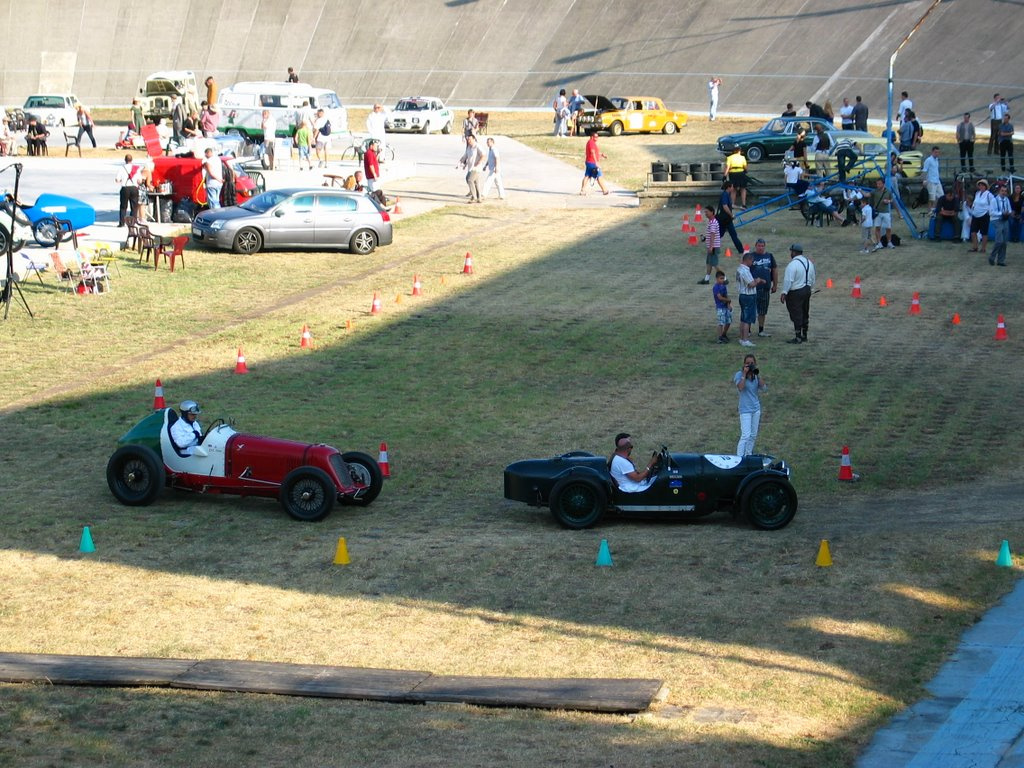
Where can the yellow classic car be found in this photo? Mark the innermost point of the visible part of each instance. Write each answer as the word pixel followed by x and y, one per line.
pixel 632 114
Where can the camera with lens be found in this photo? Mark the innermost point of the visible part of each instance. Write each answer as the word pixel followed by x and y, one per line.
pixel 753 370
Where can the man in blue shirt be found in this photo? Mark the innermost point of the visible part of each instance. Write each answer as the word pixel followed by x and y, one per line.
pixel 725 215
pixel 764 267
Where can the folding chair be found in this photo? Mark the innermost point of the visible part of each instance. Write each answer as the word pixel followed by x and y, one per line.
pixel 67 276
pixel 71 141
pixel 94 276
pixel 173 250
pixel 103 255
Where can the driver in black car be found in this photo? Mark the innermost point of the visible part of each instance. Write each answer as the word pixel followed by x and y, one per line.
pixel 625 473
pixel 186 432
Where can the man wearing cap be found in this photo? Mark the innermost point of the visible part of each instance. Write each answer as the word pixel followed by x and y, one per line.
pixel 765 268
pixel 625 473
pixel 1001 212
pixel 797 283
pixel 981 212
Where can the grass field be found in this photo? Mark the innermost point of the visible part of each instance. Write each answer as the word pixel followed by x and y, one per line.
pixel 576 324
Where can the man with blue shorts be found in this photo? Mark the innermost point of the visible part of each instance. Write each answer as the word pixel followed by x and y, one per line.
pixel 764 267
pixel 748 298
pixel 593 170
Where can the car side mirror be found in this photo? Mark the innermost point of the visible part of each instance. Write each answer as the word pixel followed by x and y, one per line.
pixel 279 213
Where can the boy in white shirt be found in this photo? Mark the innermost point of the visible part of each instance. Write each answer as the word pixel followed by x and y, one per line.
pixel 867 225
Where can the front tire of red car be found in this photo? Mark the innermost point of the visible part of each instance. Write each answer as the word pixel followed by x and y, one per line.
pixel 308 494
pixel 135 475
pixel 578 502
pixel 366 472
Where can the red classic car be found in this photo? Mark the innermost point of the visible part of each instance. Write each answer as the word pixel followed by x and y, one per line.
pixel 306 478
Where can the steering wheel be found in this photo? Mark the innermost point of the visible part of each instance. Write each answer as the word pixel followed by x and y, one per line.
pixel 660 460
pixel 210 429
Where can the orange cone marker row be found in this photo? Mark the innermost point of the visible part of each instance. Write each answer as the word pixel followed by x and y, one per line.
pixel 375 305
pixel 382 461
pixel 846 468
pixel 855 293
pixel 915 304
pixel 417 286
pixel 467 267
pixel 240 366
pixel 306 340
pixel 1000 329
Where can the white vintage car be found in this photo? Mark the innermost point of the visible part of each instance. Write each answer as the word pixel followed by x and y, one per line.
pixel 419 114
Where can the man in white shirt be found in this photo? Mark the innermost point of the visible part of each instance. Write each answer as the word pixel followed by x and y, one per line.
pixel 713 85
pixel 322 140
pixel 493 166
pixel 375 122
pixel 622 469
pixel 846 115
pixel 186 432
pixel 213 175
pixel 748 297
pixel 905 106
pixel 127 178
pixel 984 202
pixel 797 283
pixel 1001 212
pixel 932 177
pixel 269 126
pixel 996 110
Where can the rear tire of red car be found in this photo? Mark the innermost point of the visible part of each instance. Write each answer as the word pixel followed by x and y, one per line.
pixel 578 502
pixel 769 503
pixel 367 472
pixel 308 494
pixel 135 475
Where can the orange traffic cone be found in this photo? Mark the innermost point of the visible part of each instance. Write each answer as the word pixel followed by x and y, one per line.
pixel 348 325
pixel 882 302
pixel 158 397
pixel 398 298
pixel 467 268
pixel 728 253
pixel 915 304
pixel 956 318
pixel 382 461
pixel 686 223
pixel 1000 329
pixel 375 305
pixel 845 468
pixel 698 214
pixel 306 339
pixel 855 293
pixel 417 286
pixel 693 240
pixel 397 210
pixel 240 366
pixel 828 283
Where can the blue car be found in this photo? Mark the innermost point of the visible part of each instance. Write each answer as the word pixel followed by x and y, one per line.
pixel 777 135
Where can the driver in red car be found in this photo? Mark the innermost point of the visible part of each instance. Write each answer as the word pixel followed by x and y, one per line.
pixel 186 432
pixel 625 473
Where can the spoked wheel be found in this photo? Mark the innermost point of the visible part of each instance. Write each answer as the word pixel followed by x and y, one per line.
pixel 45 233
pixel 307 494
pixel 363 242
pixel 365 471
pixel 135 475
pixel 769 503
pixel 578 502
pixel 669 129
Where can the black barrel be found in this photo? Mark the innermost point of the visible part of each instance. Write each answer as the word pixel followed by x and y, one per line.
pixel 659 171
pixel 679 175
pixel 716 167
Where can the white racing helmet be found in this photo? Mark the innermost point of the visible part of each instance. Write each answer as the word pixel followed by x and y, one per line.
pixel 190 406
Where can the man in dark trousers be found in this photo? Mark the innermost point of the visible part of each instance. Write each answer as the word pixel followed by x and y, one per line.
pixel 797 283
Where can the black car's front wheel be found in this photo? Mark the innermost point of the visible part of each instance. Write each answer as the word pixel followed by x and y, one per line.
pixel 365 471
pixel 135 475
pixel 769 503
pixel 578 502
pixel 755 153
pixel 307 494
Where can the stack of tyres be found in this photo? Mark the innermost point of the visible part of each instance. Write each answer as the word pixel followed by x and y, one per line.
pixel 699 172
pixel 659 171
pixel 678 171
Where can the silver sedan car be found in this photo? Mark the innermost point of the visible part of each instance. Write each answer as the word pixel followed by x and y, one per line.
pixel 302 217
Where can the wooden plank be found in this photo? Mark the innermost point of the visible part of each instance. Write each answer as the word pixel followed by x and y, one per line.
pixel 90 670
pixel 301 680
pixel 588 694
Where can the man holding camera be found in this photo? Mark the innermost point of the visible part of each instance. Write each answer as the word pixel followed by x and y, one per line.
pixel 797 282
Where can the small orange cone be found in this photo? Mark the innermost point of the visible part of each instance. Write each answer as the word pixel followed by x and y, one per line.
pixel 382 461
pixel 397 210
pixel 417 286
pixel 828 283
pixel 915 304
pixel 398 298
pixel 824 558
pixel 467 268
pixel 158 397
pixel 1000 329
pixel 306 338
pixel 443 280
pixel 728 253
pixel 348 325
pixel 956 318
pixel 375 305
pixel 846 468
pixel 882 302
pixel 693 240
pixel 686 223
pixel 697 214
pixel 855 293
pixel 240 366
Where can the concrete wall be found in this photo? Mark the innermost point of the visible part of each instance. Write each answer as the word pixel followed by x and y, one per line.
pixel 517 53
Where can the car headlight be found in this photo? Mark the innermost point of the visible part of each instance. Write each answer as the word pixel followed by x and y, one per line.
pixel 217 224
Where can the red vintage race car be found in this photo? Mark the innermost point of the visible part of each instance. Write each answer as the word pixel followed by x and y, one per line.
pixel 307 479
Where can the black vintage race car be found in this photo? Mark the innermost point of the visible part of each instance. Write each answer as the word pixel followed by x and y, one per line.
pixel 579 489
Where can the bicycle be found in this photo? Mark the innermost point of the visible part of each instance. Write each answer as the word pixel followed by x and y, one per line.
pixel 357 148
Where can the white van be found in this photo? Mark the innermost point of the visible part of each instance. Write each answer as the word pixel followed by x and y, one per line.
pixel 241 107
pixel 155 96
